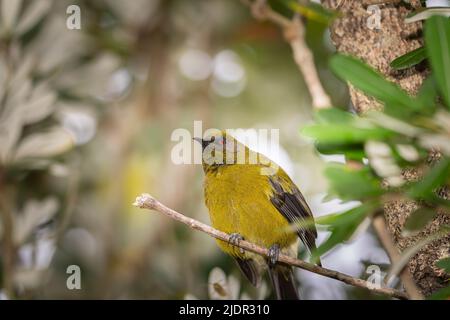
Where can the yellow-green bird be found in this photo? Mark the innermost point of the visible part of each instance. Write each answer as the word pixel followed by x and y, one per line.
pixel 258 202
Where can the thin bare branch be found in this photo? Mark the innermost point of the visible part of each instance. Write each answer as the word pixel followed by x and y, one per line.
pixel 294 33
pixel 380 227
pixel 7 244
pixel 146 201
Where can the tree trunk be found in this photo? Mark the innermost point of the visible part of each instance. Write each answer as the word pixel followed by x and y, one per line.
pixel 352 34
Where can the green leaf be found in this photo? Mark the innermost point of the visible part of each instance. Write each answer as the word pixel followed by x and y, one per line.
pixel 344 133
pixel 335 220
pixel 427 96
pixel 342 226
pixel 409 59
pixel 350 151
pixel 419 219
pixel 333 115
pixel 444 264
pixel 366 79
pixel 313 11
pixel 442 294
pixel 437 41
pixel 338 236
pixel 351 184
pixel 436 177
pixel 401 126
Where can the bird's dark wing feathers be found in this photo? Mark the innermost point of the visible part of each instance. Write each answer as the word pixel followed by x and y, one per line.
pixel 250 270
pixel 294 208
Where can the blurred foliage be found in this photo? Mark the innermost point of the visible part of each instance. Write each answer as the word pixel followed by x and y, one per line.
pixel 48 106
pixel 85 123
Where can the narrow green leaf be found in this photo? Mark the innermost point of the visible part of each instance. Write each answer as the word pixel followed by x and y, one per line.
pixel 402 126
pixel 351 184
pixel 427 96
pixel 338 236
pixel 436 177
pixel 344 133
pixel 444 264
pixel 437 42
pixel 442 294
pixel 350 216
pixel 409 59
pixel 333 115
pixel 342 227
pixel 350 151
pixel 313 11
pixel 328 221
pixel 366 79
pixel 418 220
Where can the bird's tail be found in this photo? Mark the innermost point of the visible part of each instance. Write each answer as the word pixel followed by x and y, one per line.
pixel 283 282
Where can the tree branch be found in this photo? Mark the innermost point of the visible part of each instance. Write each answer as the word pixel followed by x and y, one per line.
pixel 294 33
pixel 7 243
pixel 380 227
pixel 146 201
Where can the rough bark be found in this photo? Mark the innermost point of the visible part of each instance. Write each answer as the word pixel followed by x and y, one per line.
pixel 378 47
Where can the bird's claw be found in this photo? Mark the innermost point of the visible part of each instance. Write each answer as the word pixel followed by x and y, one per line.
pixel 234 240
pixel 274 252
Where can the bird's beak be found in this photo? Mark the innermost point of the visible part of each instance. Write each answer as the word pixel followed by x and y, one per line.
pixel 199 140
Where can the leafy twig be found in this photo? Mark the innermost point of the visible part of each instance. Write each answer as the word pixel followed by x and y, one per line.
pixel 294 32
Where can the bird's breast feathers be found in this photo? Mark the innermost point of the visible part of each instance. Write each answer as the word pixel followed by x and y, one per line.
pixel 239 201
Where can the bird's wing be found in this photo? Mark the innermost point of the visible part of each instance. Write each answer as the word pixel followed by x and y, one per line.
pixel 292 205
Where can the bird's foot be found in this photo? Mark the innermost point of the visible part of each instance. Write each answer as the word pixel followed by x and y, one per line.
pixel 234 240
pixel 274 252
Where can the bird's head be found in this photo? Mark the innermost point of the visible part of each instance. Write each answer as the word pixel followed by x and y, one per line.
pixel 220 149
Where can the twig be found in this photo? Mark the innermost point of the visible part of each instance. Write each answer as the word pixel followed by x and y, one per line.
pixel 379 225
pixel 8 247
pixel 146 201
pixel 294 33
